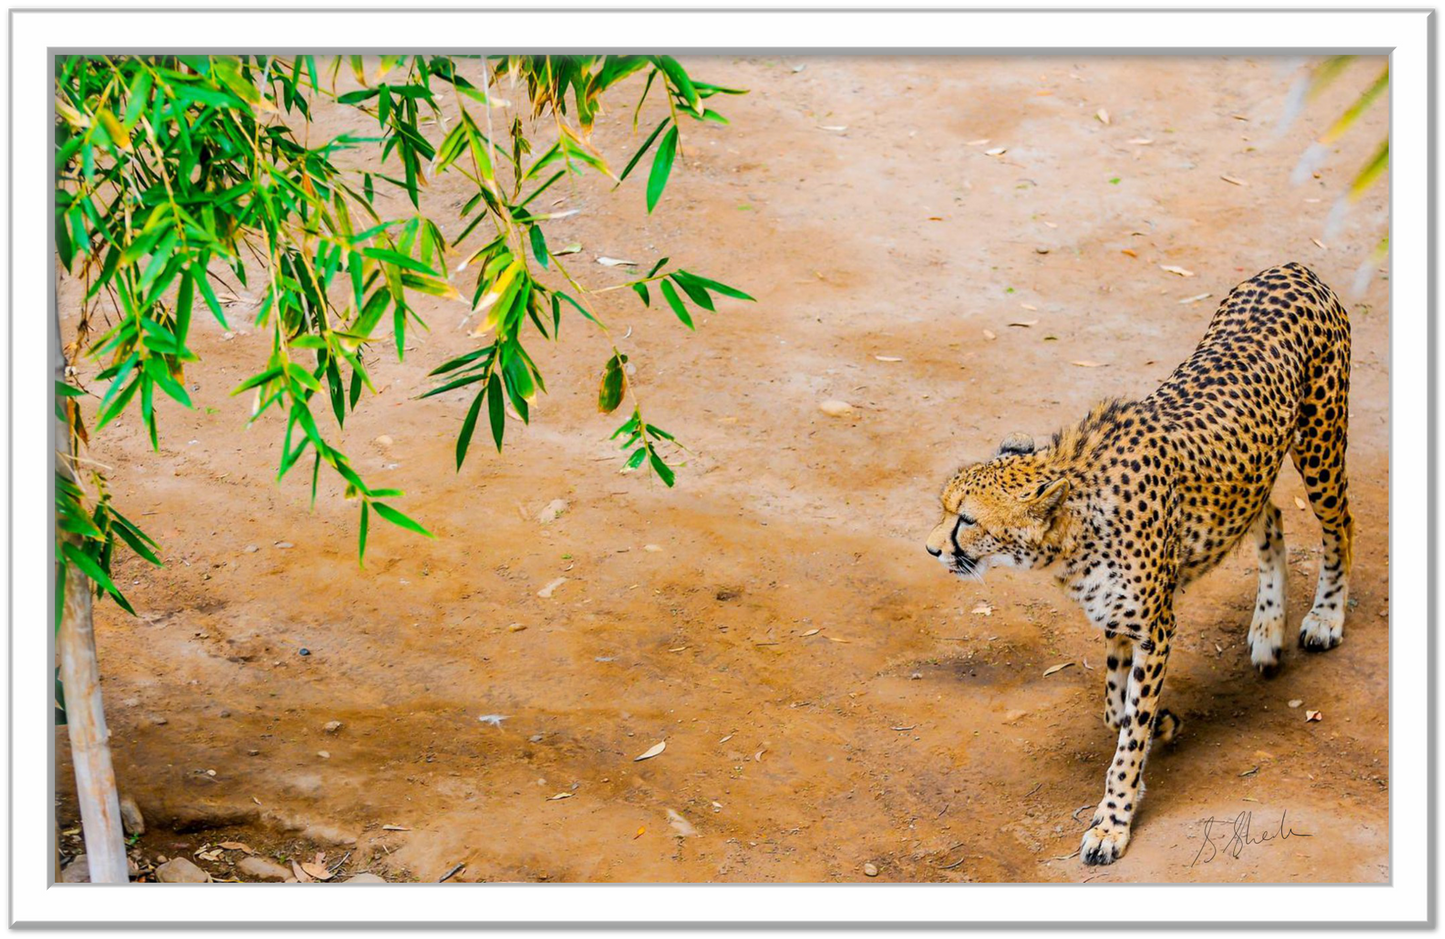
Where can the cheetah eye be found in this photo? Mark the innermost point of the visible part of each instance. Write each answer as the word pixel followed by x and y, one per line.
pixel 967 521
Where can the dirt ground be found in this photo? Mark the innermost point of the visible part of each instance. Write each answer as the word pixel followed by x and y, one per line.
pixel 829 697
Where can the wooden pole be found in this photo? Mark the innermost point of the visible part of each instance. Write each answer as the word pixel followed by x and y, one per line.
pixel 84 711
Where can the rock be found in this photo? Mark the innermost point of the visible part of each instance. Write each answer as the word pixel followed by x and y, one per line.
pixel 76 872
pixel 870 870
pixel 551 510
pixel 130 816
pixel 224 714
pixel 252 548
pixel 181 871
pixel 332 727
pixel 365 877
pixel 263 870
pixel 835 408
pixel 303 651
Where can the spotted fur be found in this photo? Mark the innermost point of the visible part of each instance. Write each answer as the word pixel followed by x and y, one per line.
pixel 1141 497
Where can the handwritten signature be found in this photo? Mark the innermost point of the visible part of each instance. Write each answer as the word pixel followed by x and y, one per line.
pixel 1230 836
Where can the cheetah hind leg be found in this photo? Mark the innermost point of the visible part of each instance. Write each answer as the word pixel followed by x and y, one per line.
pixel 1321 462
pixel 1266 631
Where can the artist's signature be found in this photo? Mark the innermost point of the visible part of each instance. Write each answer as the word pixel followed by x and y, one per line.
pixel 1230 836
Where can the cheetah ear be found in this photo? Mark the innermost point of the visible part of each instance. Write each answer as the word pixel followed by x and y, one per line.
pixel 1016 444
pixel 1047 497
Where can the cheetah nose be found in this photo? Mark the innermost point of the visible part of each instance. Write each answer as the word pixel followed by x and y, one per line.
pixel 934 551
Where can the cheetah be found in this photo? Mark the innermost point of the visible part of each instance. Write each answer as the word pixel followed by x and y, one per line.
pixel 1141 497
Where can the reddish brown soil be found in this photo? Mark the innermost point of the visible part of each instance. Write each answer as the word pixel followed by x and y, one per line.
pixel 910 731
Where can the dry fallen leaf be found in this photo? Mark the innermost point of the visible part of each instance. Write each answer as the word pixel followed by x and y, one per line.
pixel 1130 252
pixel 1319 244
pixel 1249 772
pixel 1300 503
pixel 573 248
pixel 1056 668
pixel 1030 307
pixel 1234 180
pixel 836 639
pixel 1176 270
pixel 983 609
pixel 615 262
pixel 559 797
pixel 1051 224
pixel 394 828
pixel 1085 363
pixel 1295 702
pixel 1141 141
pixel 546 592
pixel 1196 298
pixel 1103 115
pixel 652 752
pixel 301 875
pixel 811 632
pixel 996 151
pixel 887 358
pixel 640 832
pixel 236 846
pixel 978 143
pixel 317 869
pixel 1313 716
pixel 726 739
pixel 1024 323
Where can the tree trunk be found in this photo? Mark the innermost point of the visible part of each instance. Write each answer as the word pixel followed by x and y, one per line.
pixel 85 714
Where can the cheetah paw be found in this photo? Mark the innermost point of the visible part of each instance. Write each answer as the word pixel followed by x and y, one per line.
pixel 1264 651
pixel 1320 633
pixel 1104 844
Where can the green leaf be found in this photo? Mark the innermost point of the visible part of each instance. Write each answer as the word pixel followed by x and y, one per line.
pixel 539 245
pixel 713 285
pixel 464 439
pixel 399 520
pixel 661 168
pixel 695 291
pixel 664 472
pixel 361 535
pixel 495 410
pixel 614 385
pixel 676 303
pixel 642 149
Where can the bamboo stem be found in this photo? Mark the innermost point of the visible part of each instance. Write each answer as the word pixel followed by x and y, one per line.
pixel 85 713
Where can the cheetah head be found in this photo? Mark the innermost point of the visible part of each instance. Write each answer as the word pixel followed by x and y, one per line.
pixel 999 512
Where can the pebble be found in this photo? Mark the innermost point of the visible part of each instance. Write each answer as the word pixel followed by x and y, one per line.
pixel 284 544
pixel 130 816
pixel 225 714
pixel 835 408
pixel 870 870
pixel 324 754
pixel 365 877
pixel 383 441
pixel 551 510
pixel 252 548
pixel 181 871
pixel 332 727
pixel 516 627
pixel 262 869
pixel 304 651
pixel 76 872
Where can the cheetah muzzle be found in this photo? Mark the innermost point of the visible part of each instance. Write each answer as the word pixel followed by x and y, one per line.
pixel 1141 497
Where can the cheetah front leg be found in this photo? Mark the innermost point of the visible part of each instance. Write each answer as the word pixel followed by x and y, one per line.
pixel 1108 835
